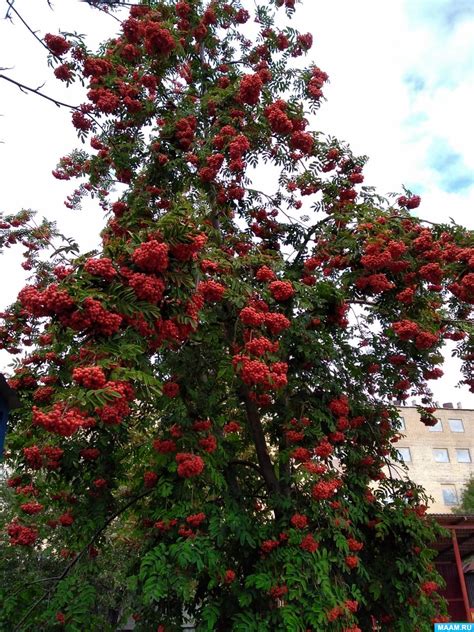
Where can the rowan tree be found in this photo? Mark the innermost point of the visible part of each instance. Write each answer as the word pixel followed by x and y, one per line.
pixel 215 386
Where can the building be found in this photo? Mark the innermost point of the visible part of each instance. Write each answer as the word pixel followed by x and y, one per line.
pixel 440 457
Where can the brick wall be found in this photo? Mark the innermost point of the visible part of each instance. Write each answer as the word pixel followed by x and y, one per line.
pixel 444 480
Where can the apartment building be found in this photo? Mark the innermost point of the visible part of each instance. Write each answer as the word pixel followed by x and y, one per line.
pixel 440 457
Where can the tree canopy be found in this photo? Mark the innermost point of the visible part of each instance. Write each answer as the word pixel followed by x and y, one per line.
pixel 212 393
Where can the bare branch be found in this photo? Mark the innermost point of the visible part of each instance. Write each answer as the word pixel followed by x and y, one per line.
pixel 307 239
pixel 254 466
pixel 25 88
pixel 25 23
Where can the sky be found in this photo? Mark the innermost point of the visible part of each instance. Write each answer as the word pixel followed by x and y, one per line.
pixel 401 91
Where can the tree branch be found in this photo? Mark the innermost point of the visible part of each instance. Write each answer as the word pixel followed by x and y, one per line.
pixel 25 23
pixel 246 464
pixel 56 102
pixel 107 5
pixel 23 87
pixel 266 465
pixel 311 231
pixel 80 555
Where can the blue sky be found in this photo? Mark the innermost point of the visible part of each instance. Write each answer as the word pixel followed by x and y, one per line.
pixel 454 175
pixel 444 14
pixel 401 91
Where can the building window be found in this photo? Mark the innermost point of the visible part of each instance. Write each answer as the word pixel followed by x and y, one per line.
pixel 463 455
pixel 401 422
pixel 450 496
pixel 441 455
pixel 438 427
pixel 456 425
pixel 404 454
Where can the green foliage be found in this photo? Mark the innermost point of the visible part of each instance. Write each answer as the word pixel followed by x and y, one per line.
pixel 466 506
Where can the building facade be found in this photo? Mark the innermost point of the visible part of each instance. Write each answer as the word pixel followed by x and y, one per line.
pixel 440 458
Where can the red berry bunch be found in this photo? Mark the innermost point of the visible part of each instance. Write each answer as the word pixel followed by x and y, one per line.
pixel 151 256
pixel 189 465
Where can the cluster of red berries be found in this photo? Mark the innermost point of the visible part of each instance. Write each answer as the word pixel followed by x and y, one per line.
pixel 429 587
pixel 302 141
pixel 102 267
pixel 146 287
pixel 196 520
pixel 91 377
pixel 90 454
pixel 256 372
pixel 164 446
pixel 208 444
pixel 150 479
pixel 409 202
pixel 308 543
pixel 57 44
pixel 268 546
pixel 229 576
pixel 185 130
pixel 171 389
pixel 213 164
pixel 408 330
pixel 62 420
pixel 352 561
pixel 48 302
pixel 464 289
pixel 375 283
pixel 43 394
pixel 274 321
pixel 158 40
pixel 211 291
pixel 187 251
pixel 232 426
pixel 279 121
pixel 324 449
pixel 264 273
pixel 261 345
pixel 250 88
pixel 277 592
pixel 323 490
pixel 189 465
pixel 299 521
pixel 339 406
pixel 431 272
pixel 151 256
pixel 22 535
pixel 318 79
pixel 115 412
pixel 32 508
pixel 93 316
pixel 281 290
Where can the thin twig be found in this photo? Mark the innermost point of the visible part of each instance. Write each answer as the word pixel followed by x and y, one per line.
pixel 80 555
pixel 23 87
pixel 271 199
pixel 246 464
pixel 25 23
pixel 104 9
pixel 307 239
